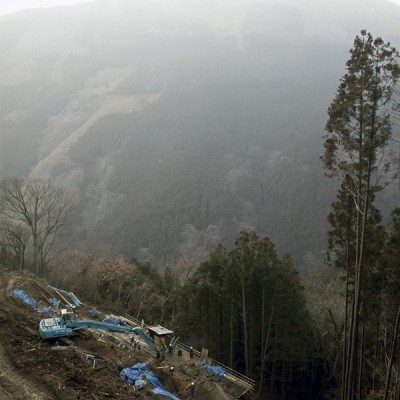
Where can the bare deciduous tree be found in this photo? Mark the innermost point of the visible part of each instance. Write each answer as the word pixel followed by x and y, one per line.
pixel 15 237
pixel 40 205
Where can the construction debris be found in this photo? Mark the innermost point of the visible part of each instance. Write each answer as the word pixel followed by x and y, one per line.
pixel 88 367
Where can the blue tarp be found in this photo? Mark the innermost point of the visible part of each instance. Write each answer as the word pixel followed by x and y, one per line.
pixel 217 370
pixel 73 298
pixel 137 372
pixel 26 299
pixel 132 374
pixel 111 320
pixel 159 388
pixel 54 302
pixel 94 312
pixel 163 392
pixel 154 380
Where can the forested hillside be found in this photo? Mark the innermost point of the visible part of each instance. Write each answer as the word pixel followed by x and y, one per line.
pixel 176 131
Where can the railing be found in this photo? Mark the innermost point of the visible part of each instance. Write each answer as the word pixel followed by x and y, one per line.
pixel 135 321
pixel 249 383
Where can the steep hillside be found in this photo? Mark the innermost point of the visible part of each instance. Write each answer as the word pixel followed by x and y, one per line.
pixel 177 129
pixel 85 366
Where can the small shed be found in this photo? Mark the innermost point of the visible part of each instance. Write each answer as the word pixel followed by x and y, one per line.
pixel 160 335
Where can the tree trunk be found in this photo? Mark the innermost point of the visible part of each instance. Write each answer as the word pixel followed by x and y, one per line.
pixel 351 388
pixel 231 337
pixel 345 333
pixel 245 333
pixel 264 353
pixel 389 372
pixel 35 255
pixel 361 357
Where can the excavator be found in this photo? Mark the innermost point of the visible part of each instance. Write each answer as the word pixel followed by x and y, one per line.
pixel 67 324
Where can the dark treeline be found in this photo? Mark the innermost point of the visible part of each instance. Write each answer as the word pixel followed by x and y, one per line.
pixel 248 307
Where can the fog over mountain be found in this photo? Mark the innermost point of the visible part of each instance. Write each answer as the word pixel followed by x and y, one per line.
pixel 178 124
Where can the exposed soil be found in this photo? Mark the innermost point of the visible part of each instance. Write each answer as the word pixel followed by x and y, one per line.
pixel 83 367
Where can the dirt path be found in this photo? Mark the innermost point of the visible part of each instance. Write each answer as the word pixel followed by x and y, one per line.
pixel 16 387
pixel 13 385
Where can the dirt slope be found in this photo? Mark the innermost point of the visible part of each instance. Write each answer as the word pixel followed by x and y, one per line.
pixel 31 368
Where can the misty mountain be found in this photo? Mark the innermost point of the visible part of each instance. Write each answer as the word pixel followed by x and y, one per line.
pixel 178 125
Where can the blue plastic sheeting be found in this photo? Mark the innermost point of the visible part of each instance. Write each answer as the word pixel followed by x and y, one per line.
pixel 26 299
pixel 111 320
pixel 140 384
pixel 154 380
pixel 54 302
pixel 163 392
pixel 44 309
pixel 217 370
pixel 132 374
pixel 114 320
pixel 159 388
pixel 94 312
pixel 135 374
pixel 73 298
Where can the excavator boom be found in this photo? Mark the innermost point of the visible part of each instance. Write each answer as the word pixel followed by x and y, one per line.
pixel 67 325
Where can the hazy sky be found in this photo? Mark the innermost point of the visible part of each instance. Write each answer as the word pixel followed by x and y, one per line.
pixel 9 6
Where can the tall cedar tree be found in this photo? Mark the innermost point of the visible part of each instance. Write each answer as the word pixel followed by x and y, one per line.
pixel 392 303
pixel 248 308
pixel 356 149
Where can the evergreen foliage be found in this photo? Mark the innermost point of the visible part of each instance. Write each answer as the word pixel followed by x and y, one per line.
pixel 357 149
pixel 247 307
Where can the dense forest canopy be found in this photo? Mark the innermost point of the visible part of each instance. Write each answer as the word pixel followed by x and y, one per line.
pixel 175 128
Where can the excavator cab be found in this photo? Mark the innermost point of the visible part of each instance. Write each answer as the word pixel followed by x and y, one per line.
pixel 67 314
pixel 50 328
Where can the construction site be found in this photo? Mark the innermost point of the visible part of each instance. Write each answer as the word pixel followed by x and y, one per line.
pixel 54 346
